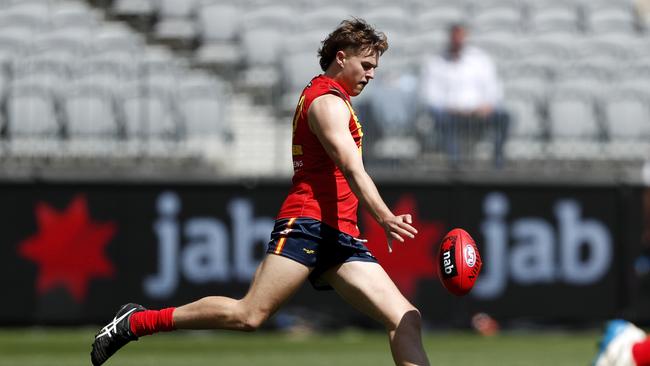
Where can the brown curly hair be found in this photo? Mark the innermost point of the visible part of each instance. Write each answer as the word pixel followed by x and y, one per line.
pixel 355 34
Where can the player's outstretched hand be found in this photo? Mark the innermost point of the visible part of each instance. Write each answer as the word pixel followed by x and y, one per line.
pixel 398 227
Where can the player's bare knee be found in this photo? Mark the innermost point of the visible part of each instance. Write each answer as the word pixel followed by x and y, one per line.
pixel 253 319
pixel 254 322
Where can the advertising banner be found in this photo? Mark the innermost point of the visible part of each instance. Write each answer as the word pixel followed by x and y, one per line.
pixel 72 253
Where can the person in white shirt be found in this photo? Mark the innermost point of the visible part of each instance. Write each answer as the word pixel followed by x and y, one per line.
pixel 461 90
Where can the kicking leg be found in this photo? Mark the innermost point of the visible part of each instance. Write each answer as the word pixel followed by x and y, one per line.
pixel 276 279
pixel 367 287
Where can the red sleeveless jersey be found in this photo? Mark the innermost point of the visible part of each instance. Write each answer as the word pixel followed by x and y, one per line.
pixel 319 190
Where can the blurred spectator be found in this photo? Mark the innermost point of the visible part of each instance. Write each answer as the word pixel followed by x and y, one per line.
pixel 461 91
pixel 643 9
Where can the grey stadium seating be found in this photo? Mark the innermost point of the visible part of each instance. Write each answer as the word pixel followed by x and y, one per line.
pixel 554 56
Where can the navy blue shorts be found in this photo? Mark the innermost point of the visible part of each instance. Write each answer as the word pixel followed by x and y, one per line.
pixel 316 245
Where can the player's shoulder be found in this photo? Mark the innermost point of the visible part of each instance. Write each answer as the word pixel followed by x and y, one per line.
pixel 329 102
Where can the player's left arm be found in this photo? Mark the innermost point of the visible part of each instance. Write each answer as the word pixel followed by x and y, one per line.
pixel 328 119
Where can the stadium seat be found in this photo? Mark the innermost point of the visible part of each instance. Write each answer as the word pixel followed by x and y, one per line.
pixel 178 31
pixel 627 123
pixel 633 77
pixel 261 46
pixel 526 117
pixel 572 116
pixel 63 45
pixel 108 74
pixel 421 6
pixel 609 17
pixel 90 113
pixel 390 19
pixel 72 14
pixel 529 79
pixel 148 114
pixel 11 29
pixel 261 50
pixel 43 73
pixel 31 112
pixel 143 8
pixel 116 39
pixel 11 48
pixel 528 131
pixel 36 10
pixel 505 16
pixel 584 78
pixel 218 21
pixel 600 49
pixel 281 18
pixel 559 17
pixel 161 76
pixel 500 44
pixel 323 19
pixel 306 41
pixel 297 70
pixel 574 129
pixel 426 43
pixel 627 116
pixel 218 26
pixel 439 18
pixel 202 115
pixel 175 8
pixel 542 52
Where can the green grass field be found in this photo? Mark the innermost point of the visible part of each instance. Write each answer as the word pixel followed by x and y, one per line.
pixel 70 347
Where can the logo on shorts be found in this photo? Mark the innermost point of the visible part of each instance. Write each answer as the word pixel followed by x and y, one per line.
pixel 308 251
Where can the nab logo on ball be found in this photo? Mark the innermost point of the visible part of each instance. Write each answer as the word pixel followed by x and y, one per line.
pixel 459 262
pixel 449 262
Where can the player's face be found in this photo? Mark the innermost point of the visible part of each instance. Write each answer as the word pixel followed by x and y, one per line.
pixel 358 70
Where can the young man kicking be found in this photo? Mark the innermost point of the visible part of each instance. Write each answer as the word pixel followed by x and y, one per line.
pixel 315 235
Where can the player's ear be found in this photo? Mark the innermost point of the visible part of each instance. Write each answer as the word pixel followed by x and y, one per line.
pixel 340 58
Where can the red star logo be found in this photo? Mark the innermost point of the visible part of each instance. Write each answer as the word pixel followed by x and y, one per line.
pixel 415 258
pixel 68 248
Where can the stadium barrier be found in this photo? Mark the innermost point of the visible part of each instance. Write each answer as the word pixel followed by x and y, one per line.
pixel 73 252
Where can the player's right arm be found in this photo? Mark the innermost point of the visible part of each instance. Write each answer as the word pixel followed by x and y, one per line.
pixel 328 119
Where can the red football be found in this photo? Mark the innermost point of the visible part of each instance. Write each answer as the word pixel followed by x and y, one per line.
pixel 459 262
